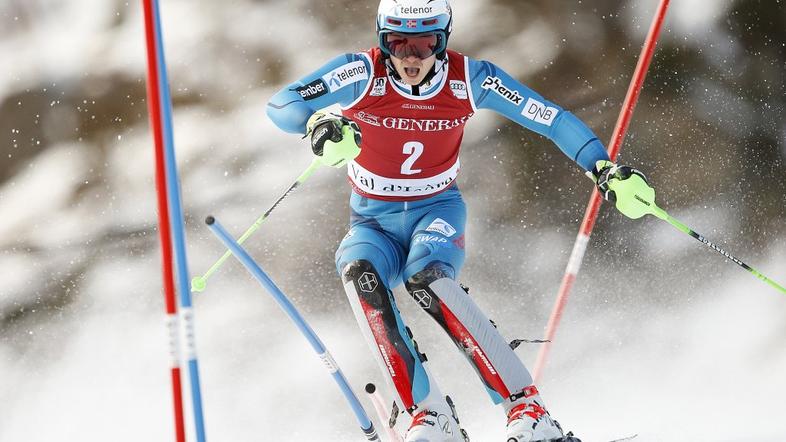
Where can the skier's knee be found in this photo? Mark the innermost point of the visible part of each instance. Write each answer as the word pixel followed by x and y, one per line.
pixel 366 281
pixel 432 272
pixel 353 270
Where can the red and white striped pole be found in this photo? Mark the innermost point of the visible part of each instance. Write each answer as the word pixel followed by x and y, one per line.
pixel 164 229
pixel 591 214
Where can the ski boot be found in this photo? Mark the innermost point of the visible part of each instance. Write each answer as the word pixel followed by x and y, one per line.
pixel 528 421
pixel 436 423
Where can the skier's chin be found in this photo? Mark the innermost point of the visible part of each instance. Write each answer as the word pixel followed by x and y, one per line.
pixel 413 72
pixel 412 75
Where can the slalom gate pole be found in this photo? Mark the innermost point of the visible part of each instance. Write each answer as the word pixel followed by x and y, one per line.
pixel 660 213
pixel 199 283
pixel 236 249
pixel 154 110
pixel 176 212
pixel 384 418
pixel 591 214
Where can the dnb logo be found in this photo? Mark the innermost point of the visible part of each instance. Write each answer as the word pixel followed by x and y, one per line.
pixel 539 112
pixel 368 282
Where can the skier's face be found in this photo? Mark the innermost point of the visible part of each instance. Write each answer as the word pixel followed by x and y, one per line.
pixel 413 69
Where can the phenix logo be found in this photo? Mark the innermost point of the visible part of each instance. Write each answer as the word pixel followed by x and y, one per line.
pixel 496 85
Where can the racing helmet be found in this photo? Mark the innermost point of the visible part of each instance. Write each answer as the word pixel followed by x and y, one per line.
pixel 414 27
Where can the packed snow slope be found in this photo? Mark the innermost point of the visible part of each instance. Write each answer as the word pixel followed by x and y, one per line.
pixel 662 337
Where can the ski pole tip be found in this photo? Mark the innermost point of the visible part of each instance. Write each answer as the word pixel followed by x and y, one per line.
pixel 210 220
pixel 198 284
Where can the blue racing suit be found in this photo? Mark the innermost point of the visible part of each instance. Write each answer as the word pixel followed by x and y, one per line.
pixel 412 230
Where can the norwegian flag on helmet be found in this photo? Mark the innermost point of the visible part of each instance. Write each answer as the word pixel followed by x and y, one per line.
pixel 412 23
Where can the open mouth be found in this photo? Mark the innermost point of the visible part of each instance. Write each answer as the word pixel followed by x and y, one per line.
pixel 412 72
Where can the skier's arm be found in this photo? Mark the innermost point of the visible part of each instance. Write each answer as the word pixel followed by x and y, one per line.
pixel 493 88
pixel 342 80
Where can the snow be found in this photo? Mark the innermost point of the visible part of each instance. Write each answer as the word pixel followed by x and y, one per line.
pixel 662 336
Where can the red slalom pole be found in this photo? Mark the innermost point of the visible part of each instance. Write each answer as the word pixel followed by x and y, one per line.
pixel 154 110
pixel 591 214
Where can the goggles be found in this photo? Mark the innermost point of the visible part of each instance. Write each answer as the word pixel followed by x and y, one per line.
pixel 420 45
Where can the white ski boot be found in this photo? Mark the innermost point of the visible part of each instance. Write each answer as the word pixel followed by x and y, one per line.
pixel 528 421
pixel 436 422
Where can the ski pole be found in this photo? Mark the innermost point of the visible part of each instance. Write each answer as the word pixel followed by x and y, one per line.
pixel 236 249
pixel 199 283
pixel 660 213
pixel 642 202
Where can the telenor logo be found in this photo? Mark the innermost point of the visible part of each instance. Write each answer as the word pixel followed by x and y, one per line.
pixel 496 85
pixel 416 10
pixel 347 74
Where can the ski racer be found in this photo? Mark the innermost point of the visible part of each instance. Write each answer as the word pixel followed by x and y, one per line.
pixel 410 98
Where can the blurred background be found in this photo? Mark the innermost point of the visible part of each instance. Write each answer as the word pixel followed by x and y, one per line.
pixel 662 337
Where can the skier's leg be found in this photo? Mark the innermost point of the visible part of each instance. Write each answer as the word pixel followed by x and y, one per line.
pixel 369 263
pixel 435 258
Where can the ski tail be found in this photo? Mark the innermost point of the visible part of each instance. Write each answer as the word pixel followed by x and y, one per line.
pixel 388 420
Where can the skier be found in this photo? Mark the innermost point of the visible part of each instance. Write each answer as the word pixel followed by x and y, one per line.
pixel 410 97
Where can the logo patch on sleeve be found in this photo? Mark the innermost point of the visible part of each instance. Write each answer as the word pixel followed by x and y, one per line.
pixel 539 112
pixel 439 225
pixel 496 85
pixel 315 89
pixel 347 74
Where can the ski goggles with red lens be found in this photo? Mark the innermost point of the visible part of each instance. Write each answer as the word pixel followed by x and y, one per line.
pixel 420 45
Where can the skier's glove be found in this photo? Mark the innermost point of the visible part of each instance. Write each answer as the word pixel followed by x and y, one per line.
pixel 625 186
pixel 334 139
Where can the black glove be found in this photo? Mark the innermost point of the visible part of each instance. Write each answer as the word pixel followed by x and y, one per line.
pixel 324 127
pixel 625 186
pixel 608 177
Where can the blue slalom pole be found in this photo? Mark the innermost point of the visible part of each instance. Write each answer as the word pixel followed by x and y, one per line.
pixel 360 413
pixel 178 235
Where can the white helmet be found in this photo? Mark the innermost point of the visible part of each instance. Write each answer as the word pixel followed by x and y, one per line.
pixel 425 17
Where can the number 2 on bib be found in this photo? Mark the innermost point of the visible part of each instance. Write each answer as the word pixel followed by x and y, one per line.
pixel 414 149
